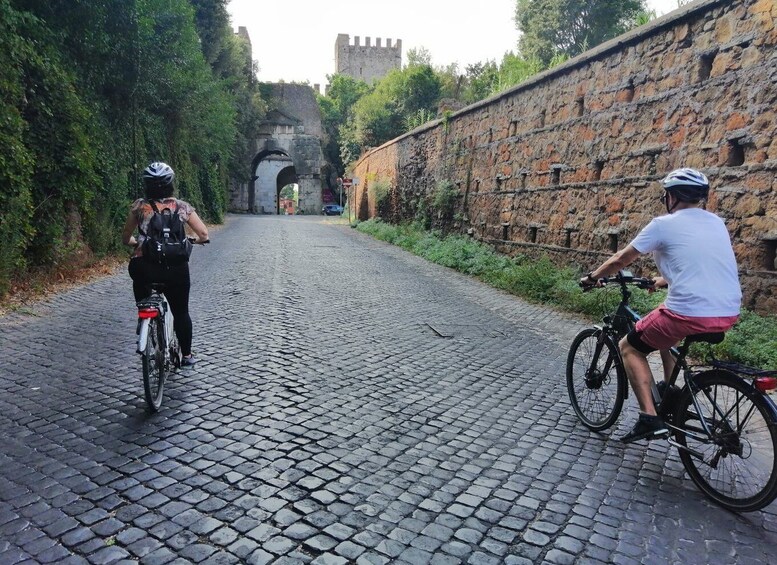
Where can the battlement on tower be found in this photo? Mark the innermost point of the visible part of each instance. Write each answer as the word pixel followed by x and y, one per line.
pixel 345 39
pixel 366 61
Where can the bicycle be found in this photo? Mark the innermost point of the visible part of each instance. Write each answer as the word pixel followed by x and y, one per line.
pixel 723 426
pixel 157 343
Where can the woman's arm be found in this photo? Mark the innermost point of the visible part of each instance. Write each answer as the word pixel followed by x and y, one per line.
pixel 199 227
pixel 129 228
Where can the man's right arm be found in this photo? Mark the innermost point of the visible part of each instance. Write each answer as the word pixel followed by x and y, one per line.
pixel 620 260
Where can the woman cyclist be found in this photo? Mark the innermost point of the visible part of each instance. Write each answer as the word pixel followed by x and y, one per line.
pixel 158 182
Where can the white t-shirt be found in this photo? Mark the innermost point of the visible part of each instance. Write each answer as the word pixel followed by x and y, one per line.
pixel 692 250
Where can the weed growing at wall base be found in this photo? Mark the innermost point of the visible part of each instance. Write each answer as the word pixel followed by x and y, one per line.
pixel 751 342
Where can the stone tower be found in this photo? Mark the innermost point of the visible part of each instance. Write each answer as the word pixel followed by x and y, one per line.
pixel 366 62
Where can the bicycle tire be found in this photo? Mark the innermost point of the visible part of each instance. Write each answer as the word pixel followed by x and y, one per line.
pixel 596 398
pixel 154 370
pixel 746 458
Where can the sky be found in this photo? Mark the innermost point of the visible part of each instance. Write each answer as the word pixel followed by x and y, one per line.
pixel 294 40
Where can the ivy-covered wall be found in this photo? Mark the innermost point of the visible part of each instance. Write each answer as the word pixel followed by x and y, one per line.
pixel 91 91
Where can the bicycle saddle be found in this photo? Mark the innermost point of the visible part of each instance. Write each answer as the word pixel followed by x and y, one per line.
pixel 713 338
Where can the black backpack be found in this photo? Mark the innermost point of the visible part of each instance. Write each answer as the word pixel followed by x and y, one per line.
pixel 166 242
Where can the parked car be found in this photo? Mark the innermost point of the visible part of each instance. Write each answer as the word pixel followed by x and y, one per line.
pixel 332 210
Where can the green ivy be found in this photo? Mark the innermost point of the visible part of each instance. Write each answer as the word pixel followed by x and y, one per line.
pixel 93 90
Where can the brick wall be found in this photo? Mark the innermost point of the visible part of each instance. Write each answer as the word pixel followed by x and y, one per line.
pixel 566 163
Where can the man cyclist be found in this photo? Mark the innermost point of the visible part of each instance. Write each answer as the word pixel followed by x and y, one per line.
pixel 158 182
pixel 692 250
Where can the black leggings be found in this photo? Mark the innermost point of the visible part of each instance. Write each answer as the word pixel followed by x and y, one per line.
pixel 176 280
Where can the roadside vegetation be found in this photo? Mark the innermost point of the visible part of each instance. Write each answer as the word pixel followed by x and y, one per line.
pixel 92 91
pixel 751 342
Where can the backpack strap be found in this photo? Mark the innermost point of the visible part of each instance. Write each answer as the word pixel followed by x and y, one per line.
pixel 156 211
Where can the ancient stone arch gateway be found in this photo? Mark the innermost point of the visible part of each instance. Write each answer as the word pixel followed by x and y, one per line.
pixel 287 151
pixel 565 164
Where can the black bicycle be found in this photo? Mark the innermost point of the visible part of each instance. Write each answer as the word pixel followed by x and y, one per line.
pixel 723 422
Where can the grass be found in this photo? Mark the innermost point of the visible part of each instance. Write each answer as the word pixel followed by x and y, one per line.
pixel 751 342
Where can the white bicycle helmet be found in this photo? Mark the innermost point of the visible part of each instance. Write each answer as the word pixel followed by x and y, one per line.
pixel 688 185
pixel 158 176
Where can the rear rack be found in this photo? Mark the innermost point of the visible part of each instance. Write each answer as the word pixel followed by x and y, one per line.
pixel 741 369
pixel 150 302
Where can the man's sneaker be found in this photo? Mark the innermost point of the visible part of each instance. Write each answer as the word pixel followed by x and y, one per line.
pixel 188 361
pixel 647 427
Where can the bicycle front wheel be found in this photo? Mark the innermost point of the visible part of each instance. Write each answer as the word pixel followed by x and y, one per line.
pixel 735 464
pixel 154 371
pixel 595 379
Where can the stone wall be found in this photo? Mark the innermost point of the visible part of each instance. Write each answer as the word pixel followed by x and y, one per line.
pixel 565 164
pixel 366 62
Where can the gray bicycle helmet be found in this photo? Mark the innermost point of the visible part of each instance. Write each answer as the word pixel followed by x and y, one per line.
pixel 687 185
pixel 158 180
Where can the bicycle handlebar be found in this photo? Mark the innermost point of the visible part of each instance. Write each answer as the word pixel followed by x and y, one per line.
pixel 623 278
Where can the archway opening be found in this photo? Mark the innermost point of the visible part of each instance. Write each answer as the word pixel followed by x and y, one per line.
pixel 286 177
pixel 273 170
pixel 288 199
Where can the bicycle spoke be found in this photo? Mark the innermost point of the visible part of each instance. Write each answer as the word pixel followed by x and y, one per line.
pixel 738 458
pixel 593 380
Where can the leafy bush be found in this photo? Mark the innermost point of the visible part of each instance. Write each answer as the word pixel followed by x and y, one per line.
pixel 444 198
pixel 752 341
pixel 378 191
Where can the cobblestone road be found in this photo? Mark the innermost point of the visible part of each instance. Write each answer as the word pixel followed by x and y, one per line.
pixel 328 422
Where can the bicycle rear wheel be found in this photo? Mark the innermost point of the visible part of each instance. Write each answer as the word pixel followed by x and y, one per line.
pixel 154 370
pixel 595 379
pixel 737 466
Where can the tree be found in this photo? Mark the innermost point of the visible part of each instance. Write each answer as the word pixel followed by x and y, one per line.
pixel 212 21
pixel 336 111
pixel 482 81
pixel 569 27
pixel 384 113
pixel 419 57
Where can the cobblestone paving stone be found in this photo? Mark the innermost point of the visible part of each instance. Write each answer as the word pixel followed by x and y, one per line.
pixel 327 423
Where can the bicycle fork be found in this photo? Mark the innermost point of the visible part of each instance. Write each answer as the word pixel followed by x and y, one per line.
pixel 592 379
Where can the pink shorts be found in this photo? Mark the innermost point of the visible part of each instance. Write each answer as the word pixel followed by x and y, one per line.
pixel 662 328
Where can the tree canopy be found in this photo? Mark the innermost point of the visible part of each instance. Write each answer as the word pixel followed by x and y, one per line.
pixel 568 27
